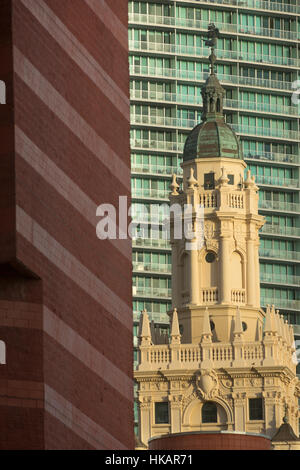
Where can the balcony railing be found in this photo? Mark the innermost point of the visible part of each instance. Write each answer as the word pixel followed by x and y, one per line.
pixel 150 193
pixel 279 254
pixel 280 303
pixel 155 169
pixel 285 134
pixel 143 19
pixel 262 107
pixel 256 4
pixel 157 145
pixel 164 121
pixel 269 229
pixel 151 243
pixel 280 279
pixel 152 267
pixel 196 51
pixel 273 157
pixel 165 97
pixel 280 206
pixel 228 103
pixel 177 147
pixel 157 317
pixel 151 292
pixel 277 181
pixel 193 75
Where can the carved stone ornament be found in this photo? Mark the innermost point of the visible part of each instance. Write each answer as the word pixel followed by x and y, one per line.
pixel 207 384
pixel 208 230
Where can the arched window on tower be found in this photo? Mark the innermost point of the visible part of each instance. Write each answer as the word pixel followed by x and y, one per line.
pixel 211 105
pixel 209 413
pixel 2 353
pixel 218 105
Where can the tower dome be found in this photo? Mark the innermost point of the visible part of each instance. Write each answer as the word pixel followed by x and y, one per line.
pixel 212 137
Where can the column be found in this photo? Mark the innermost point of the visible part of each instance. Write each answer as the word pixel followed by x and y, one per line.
pixel 194 277
pixel 257 275
pixel 145 419
pixel 239 411
pixel 176 288
pixel 225 285
pixel 175 411
pixel 251 273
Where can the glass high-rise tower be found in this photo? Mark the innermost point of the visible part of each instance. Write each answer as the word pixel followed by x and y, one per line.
pixel 258 65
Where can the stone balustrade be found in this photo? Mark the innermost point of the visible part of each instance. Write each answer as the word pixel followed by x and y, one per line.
pixel 238 296
pixel 209 295
pixel 215 355
pixel 208 199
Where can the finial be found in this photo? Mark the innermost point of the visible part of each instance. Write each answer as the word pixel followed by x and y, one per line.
pixel 238 326
pixel 213 34
pixel 145 331
pixel 174 186
pixel 206 329
pixel 175 330
pixel 192 180
pixel 223 181
pixel 286 416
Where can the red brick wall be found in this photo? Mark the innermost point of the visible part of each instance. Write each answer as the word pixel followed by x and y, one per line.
pixel 210 441
pixel 65 314
pixel 7 164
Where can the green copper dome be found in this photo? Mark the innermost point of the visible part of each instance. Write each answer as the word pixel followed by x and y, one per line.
pixel 210 139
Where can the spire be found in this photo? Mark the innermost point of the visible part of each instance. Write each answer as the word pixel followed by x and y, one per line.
pixel 145 333
pixel 212 93
pixel 269 323
pixel 238 327
pixel 175 331
pixel 206 330
pixel 292 338
pixel 278 323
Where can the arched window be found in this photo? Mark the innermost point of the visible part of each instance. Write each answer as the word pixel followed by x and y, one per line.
pixel 218 105
pixel 209 413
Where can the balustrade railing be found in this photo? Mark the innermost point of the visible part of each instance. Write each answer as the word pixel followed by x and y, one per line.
pixel 236 201
pixel 209 295
pixel 238 296
pixel 208 199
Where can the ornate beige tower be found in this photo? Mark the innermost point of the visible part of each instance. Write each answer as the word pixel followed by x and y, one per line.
pixel 229 366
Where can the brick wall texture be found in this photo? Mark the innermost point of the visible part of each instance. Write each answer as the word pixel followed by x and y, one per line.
pixel 65 295
pixel 211 441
